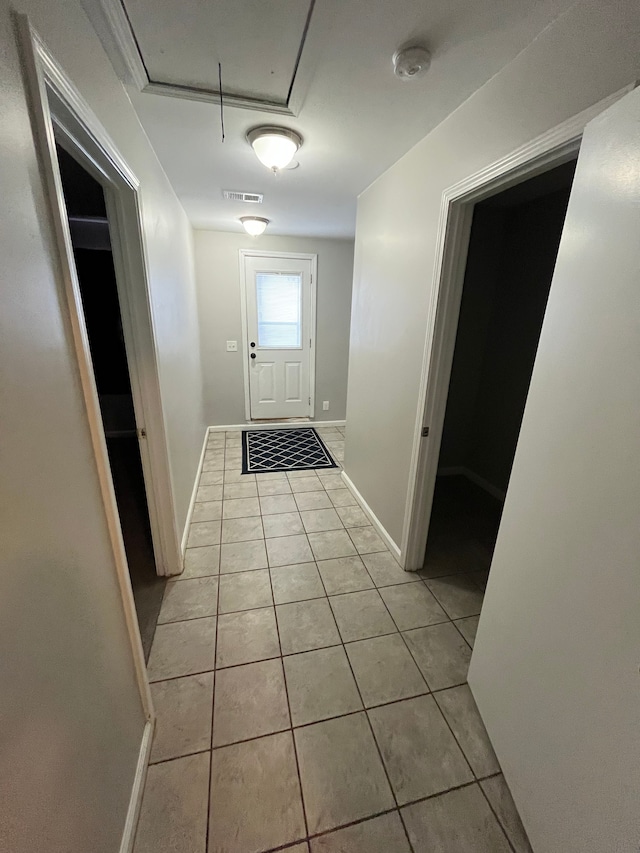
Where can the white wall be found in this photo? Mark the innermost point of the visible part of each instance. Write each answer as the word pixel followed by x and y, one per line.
pixel 70 711
pixel 175 311
pixel 591 51
pixel 218 281
pixel 555 666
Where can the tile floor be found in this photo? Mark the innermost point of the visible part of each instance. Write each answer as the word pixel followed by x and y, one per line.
pixel 310 695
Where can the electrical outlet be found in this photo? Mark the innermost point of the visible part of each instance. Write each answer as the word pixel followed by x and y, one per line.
pixel 325 406
pixel 232 346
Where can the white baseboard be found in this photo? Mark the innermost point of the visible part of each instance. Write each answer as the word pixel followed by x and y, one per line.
pixel 276 425
pixel 185 532
pixel 463 471
pixel 137 790
pixel 373 518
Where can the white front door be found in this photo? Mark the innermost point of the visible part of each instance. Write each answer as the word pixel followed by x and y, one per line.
pixel 280 335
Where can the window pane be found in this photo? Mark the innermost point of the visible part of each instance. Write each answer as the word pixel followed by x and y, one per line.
pixel 279 306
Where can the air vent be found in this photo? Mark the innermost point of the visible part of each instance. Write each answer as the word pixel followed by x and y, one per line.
pixel 236 195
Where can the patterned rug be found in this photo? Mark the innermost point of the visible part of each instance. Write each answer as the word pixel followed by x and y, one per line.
pixel 283 450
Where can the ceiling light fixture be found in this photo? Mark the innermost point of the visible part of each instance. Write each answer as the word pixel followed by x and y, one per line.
pixel 275 147
pixel 254 225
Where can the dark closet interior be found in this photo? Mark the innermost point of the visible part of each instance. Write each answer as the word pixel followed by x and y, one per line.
pixel 101 307
pixel 512 252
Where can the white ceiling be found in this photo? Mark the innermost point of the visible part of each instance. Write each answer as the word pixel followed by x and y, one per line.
pixel 356 117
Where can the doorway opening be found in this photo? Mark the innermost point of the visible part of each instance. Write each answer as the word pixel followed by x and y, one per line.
pixel 513 246
pixel 89 228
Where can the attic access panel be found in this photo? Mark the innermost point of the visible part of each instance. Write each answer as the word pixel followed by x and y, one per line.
pixel 259 44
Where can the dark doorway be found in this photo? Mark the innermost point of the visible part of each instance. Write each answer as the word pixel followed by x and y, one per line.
pixel 89 227
pixel 512 252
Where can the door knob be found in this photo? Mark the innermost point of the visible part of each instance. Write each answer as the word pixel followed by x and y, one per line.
pixel 253 355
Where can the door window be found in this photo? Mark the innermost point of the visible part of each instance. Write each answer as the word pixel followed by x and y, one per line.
pixel 279 309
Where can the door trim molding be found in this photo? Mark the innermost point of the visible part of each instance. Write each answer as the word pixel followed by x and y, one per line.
pixel 550 149
pixel 62 115
pixel 194 491
pixel 302 256
pixel 46 79
pixel 137 789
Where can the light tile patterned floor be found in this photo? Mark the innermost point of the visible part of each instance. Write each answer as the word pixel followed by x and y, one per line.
pixel 310 695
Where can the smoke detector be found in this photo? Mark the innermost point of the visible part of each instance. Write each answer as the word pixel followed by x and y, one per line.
pixel 412 62
pixel 238 195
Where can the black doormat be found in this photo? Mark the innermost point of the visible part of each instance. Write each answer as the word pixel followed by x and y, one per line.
pixel 283 450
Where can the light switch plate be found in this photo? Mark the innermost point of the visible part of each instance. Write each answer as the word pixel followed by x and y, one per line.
pixel 325 406
pixel 232 346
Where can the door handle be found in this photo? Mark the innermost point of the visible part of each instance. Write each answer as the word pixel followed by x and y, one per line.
pixel 253 355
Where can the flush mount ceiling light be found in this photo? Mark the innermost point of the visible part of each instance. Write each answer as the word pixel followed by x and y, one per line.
pixel 411 62
pixel 274 146
pixel 254 225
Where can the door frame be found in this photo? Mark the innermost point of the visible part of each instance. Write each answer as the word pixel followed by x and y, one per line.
pixel 300 256
pixel 551 149
pixel 60 114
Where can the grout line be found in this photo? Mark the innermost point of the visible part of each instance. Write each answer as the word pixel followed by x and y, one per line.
pixel 289 845
pixel 286 690
pixel 182 675
pixel 178 757
pixel 364 707
pixel 448 724
pixel 358 821
pixel 438 600
pixel 404 640
pixel 213 700
pixel 304 652
pixel 495 814
pixel 406 831
pixel 453 622
pixel 308 600
pixel 404 827
pixel 331 645
pixel 211 545
pixel 432 692
pixel 394 810
pixel 188 618
pixel 435 594
pixel 443 715
pixel 351 823
pixel 194 578
pixel 262 736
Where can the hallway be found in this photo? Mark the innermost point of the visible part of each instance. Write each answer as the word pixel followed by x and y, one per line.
pixel 310 694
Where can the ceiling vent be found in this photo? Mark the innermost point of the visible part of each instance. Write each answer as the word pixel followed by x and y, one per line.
pixel 236 195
